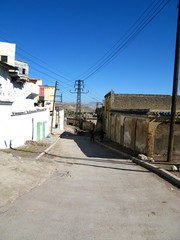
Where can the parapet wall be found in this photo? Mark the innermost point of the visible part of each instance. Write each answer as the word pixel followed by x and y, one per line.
pixel 142 101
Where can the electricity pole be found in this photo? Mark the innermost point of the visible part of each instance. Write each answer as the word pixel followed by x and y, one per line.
pixel 174 94
pixel 53 106
pixel 79 88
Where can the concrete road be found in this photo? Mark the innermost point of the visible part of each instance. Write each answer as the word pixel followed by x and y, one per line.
pixel 95 194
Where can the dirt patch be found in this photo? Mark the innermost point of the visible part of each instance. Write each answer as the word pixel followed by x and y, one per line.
pixel 20 175
pixel 31 149
pixel 20 171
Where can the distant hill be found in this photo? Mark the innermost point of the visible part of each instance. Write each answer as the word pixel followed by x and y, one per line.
pixel 72 107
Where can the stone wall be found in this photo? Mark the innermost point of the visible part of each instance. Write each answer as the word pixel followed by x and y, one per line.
pixel 141 133
pixel 87 126
pixel 139 101
pixel 161 139
pixel 129 101
pixel 129 120
pixel 141 138
pixel 127 130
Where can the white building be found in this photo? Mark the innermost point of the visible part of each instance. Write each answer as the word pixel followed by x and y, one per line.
pixel 7 53
pixel 23 69
pixel 19 119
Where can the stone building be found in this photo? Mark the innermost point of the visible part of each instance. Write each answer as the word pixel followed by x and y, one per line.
pixel 140 122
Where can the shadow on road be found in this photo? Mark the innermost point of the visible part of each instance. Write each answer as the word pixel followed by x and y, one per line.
pixel 97 156
pixel 94 161
pixel 91 149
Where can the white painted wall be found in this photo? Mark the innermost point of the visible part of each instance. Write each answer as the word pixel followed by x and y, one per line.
pixel 19 118
pixel 21 94
pixel 22 65
pixel 8 49
pixel 58 119
pixel 61 120
pixel 5 124
pixel 6 87
pixel 17 129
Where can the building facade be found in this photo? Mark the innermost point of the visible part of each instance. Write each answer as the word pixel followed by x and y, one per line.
pixel 46 94
pixel 23 69
pixel 140 122
pixel 20 120
pixel 7 53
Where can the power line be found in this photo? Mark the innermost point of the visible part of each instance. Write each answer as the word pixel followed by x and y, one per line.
pixel 37 65
pixel 42 72
pixel 46 74
pixel 119 41
pixel 148 15
pixel 144 22
pixel 39 59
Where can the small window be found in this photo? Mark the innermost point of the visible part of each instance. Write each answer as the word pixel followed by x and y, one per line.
pixel 4 58
pixel 23 71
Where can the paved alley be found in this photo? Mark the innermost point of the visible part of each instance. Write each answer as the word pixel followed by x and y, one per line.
pixel 95 194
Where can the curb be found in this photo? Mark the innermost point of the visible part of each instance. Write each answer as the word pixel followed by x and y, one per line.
pixel 159 171
pixel 47 149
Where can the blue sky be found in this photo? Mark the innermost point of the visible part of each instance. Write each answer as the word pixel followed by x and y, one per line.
pixel 65 38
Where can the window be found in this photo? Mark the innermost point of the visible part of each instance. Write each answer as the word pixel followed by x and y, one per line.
pixel 4 59
pixel 23 71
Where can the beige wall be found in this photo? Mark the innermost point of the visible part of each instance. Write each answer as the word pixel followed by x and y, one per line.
pixel 48 92
pixel 129 132
pixel 141 141
pixel 87 126
pixel 161 139
pixel 8 49
pixel 39 82
pixel 135 129
pixel 141 133
pixel 49 95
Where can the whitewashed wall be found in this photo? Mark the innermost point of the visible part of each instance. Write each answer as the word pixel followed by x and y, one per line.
pixel 61 122
pixel 58 119
pixel 6 87
pixel 22 65
pixel 21 94
pixel 15 130
pixel 5 124
pixel 8 49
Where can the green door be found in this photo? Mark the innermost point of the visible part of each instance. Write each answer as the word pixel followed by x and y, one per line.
pixel 43 129
pixel 38 131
